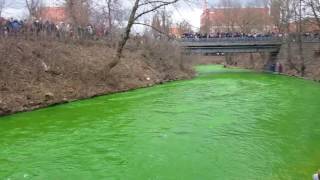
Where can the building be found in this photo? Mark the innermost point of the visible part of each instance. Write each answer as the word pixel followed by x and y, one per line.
pixel 245 20
pixel 308 25
pixel 53 14
pixel 175 31
pixel 2 20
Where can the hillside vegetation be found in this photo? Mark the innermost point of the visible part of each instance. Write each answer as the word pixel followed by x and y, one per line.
pixel 35 74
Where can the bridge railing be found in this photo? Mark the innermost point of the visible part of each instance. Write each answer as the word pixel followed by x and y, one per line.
pixel 248 40
pixel 233 39
pixel 307 39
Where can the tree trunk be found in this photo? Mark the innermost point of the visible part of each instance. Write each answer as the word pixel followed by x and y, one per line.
pixel 289 48
pixel 300 41
pixel 315 13
pixel 133 17
pixel 124 37
pixel 109 16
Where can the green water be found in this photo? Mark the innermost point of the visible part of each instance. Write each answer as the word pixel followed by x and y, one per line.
pixel 225 124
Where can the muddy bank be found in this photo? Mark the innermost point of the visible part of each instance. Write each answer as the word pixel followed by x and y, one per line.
pixel 39 74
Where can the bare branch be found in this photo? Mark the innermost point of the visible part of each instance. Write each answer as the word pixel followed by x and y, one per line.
pixel 150 3
pixel 2 6
pixel 155 8
pixel 132 20
pixel 33 7
pixel 154 28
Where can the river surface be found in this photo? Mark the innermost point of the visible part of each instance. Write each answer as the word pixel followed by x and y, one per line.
pixel 224 124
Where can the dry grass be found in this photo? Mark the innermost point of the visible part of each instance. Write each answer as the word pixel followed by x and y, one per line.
pixel 39 73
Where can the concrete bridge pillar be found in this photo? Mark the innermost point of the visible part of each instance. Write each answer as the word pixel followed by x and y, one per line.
pixel 228 58
pixel 270 58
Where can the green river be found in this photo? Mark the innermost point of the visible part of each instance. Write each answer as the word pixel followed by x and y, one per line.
pixel 224 124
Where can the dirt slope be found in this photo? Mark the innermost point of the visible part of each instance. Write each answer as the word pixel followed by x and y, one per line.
pixel 38 74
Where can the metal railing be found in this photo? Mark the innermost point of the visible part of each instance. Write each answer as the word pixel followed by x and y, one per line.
pixel 305 39
pixel 233 39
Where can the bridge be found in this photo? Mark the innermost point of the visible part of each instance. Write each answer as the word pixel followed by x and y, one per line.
pixel 211 46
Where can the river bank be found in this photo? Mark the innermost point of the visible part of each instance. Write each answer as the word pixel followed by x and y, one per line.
pixel 37 74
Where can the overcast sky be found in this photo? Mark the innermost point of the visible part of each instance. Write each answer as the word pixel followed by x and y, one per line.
pixel 182 11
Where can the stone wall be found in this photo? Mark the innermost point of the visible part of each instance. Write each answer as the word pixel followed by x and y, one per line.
pixel 311 59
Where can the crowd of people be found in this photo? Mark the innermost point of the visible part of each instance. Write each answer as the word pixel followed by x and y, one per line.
pixel 228 35
pixel 224 35
pixel 47 29
pixel 64 30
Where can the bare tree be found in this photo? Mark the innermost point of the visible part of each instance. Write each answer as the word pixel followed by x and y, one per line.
pixel 33 7
pixel 113 7
pixel 109 13
pixel 246 20
pixel 275 12
pixel 207 22
pixel 78 11
pixel 291 11
pixel 161 23
pixel 184 27
pixel 231 13
pixel 139 9
pixel 252 19
pixel 2 6
pixel 314 8
pixel 301 57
